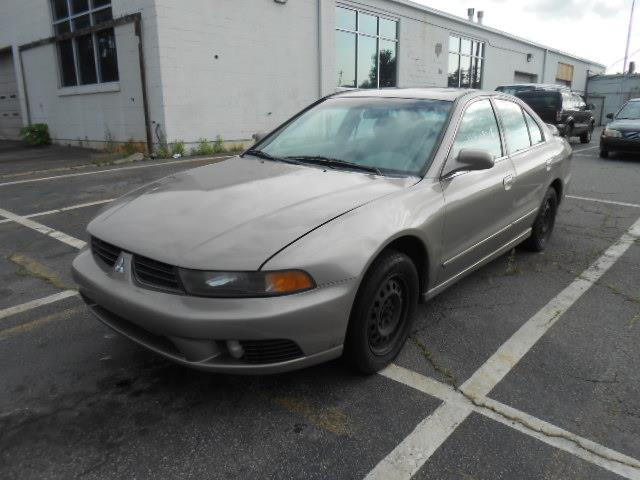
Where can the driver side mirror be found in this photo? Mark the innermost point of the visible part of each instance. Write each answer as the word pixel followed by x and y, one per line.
pixel 470 159
pixel 610 116
pixel 259 136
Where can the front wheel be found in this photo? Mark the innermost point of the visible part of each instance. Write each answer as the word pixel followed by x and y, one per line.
pixel 544 223
pixel 382 313
pixel 604 153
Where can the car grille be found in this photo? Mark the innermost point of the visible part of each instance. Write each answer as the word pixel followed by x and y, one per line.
pixel 105 252
pixel 158 275
pixel 270 351
pixel 631 135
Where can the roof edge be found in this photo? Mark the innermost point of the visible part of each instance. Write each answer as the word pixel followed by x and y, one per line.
pixel 464 21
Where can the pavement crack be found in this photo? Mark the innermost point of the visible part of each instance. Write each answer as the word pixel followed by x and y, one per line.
pixel 428 355
pixel 597 380
pixel 480 402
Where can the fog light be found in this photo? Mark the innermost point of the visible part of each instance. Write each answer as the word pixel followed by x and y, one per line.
pixel 235 349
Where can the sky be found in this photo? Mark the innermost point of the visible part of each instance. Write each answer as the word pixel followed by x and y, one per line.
pixel 592 29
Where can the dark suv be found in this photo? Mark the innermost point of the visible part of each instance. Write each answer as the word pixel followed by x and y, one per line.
pixel 562 108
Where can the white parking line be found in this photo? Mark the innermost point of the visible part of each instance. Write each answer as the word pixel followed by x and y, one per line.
pixel 600 200
pixel 459 405
pixel 414 451
pixel 38 227
pixel 80 174
pixel 585 149
pixel 63 209
pixel 7 312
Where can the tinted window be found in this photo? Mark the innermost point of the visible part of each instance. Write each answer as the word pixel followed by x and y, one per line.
pixel 534 129
pixel 541 100
pixel 395 135
pixel 515 128
pixel 478 129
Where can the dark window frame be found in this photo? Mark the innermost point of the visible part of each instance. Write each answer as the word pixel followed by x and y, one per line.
pixel 379 37
pixel 67 23
pixel 473 57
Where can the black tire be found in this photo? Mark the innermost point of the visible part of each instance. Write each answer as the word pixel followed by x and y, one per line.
pixel 382 313
pixel 544 223
pixel 586 136
pixel 604 153
pixel 568 133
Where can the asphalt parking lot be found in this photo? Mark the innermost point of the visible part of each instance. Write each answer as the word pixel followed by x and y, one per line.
pixel 526 369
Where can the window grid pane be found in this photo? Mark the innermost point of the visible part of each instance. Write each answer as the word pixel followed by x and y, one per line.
pixel 366 49
pixel 91 58
pixel 466 59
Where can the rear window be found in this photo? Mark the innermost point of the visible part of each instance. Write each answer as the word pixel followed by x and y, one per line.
pixel 541 100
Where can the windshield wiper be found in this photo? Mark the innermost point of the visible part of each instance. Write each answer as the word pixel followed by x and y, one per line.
pixel 334 163
pixel 266 156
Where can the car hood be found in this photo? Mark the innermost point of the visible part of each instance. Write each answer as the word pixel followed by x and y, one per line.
pixel 625 125
pixel 235 214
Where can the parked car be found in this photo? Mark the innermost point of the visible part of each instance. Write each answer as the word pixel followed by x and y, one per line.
pixel 323 237
pixel 623 133
pixel 523 87
pixel 564 109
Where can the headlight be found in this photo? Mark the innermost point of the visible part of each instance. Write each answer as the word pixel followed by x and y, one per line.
pixel 245 284
pixel 610 132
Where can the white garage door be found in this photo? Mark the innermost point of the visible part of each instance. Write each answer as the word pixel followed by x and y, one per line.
pixel 521 77
pixel 10 120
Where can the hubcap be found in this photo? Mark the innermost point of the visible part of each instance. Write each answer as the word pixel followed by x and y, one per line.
pixel 387 315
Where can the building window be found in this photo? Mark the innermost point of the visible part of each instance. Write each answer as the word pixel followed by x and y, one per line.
pixel 366 49
pixel 89 58
pixel 466 60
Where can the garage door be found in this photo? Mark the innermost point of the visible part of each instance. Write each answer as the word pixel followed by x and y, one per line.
pixel 521 77
pixel 10 120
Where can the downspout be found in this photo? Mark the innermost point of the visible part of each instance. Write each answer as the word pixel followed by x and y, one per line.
pixel 24 87
pixel 544 66
pixel 320 69
pixel 143 82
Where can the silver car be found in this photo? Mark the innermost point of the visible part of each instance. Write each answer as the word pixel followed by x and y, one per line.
pixel 323 237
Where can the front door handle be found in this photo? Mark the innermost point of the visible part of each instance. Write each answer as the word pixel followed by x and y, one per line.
pixel 508 182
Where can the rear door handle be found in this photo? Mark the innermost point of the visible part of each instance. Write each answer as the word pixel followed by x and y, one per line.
pixel 508 181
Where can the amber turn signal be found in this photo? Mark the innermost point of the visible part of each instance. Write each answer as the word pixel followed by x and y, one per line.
pixel 288 281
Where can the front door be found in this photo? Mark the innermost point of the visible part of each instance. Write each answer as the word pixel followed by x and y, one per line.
pixel 478 203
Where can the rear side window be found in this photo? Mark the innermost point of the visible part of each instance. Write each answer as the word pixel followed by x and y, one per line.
pixel 478 130
pixel 515 128
pixel 541 100
pixel 534 129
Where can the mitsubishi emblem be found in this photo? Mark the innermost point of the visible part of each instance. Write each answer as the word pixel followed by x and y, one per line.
pixel 118 267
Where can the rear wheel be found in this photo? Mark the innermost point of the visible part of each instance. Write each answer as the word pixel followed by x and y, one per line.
pixel 544 223
pixel 382 312
pixel 586 136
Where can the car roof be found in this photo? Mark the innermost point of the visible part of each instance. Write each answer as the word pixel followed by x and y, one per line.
pixel 539 86
pixel 450 94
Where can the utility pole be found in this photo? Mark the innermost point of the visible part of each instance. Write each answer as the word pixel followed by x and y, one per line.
pixel 626 50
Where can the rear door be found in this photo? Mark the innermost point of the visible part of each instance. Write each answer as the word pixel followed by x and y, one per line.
pixel 525 144
pixel 478 203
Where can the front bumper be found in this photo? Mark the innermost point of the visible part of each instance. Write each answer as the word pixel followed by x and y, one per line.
pixel 619 144
pixel 193 331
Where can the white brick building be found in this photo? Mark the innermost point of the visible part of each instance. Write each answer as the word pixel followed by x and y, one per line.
pixel 234 67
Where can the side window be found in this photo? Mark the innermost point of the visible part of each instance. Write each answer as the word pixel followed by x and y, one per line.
pixel 515 128
pixel 478 129
pixel 534 129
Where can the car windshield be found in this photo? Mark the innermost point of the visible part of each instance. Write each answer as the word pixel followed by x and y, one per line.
pixel 630 111
pixel 389 135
